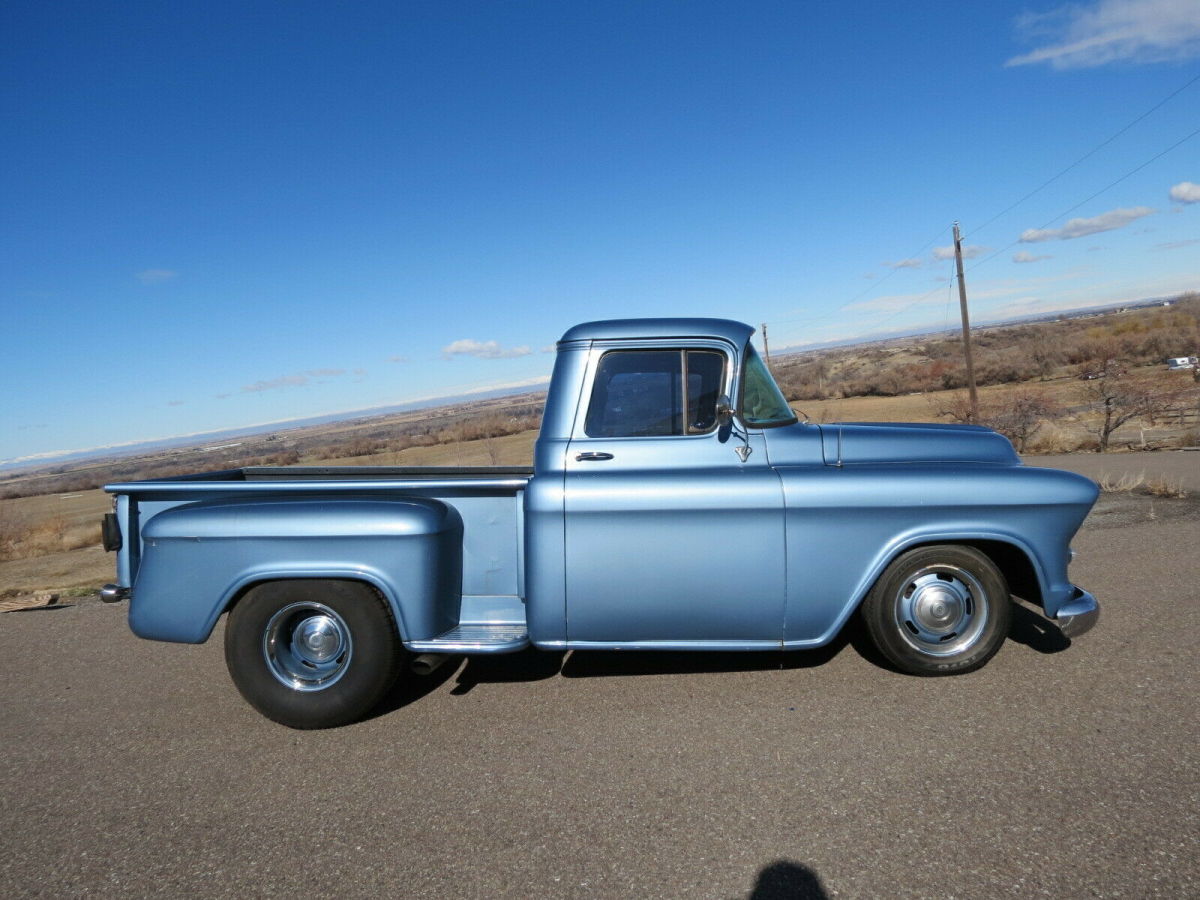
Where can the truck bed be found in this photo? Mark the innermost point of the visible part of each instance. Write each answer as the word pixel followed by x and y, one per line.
pixel 485 613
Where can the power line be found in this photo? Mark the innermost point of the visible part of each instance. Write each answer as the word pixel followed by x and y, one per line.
pixel 896 269
pixel 1087 155
pixel 1109 187
pixel 1037 190
pixel 808 320
pixel 918 300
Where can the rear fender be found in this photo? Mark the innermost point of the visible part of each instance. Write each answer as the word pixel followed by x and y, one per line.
pixel 199 558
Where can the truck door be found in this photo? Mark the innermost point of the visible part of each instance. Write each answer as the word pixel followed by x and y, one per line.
pixel 670 537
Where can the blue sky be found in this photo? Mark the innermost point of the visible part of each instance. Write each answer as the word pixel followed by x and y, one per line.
pixel 221 214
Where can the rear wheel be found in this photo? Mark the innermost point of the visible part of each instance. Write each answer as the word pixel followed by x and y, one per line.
pixel 940 610
pixel 312 653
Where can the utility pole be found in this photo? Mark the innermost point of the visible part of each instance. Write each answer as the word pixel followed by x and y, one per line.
pixel 766 346
pixel 966 324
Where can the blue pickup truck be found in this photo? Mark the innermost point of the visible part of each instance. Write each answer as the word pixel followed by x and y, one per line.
pixel 675 502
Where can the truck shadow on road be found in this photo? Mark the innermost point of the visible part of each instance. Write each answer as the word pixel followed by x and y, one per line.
pixel 535 665
pixel 410 688
pixel 605 664
pixel 1028 628
pixel 1036 631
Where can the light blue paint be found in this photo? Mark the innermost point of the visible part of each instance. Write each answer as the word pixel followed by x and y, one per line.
pixel 655 542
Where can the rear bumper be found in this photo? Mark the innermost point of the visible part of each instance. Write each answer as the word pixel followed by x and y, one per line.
pixel 1078 615
pixel 113 593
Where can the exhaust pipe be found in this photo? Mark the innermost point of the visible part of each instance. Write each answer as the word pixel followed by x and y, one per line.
pixel 428 663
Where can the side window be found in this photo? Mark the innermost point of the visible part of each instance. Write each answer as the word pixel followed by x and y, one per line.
pixel 647 393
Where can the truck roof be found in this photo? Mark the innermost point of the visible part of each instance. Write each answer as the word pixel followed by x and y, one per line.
pixel 736 333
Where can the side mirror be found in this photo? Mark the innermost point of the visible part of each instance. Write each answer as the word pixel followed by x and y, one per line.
pixel 724 411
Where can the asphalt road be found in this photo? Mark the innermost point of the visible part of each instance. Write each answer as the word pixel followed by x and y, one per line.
pixel 1070 770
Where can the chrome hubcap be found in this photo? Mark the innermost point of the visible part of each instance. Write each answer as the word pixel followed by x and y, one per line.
pixel 942 610
pixel 307 646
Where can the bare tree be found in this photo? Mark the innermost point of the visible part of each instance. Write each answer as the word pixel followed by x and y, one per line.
pixel 1118 399
pixel 1017 416
pixel 493 449
pixel 1021 416
pixel 1045 352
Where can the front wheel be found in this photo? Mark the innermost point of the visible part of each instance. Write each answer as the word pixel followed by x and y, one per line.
pixel 940 610
pixel 312 653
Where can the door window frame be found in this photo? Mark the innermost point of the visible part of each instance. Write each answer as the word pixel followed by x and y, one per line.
pixel 601 349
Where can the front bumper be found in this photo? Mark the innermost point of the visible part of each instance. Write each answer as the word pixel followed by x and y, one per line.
pixel 1078 615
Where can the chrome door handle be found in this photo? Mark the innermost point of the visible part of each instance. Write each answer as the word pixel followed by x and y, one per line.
pixel 592 456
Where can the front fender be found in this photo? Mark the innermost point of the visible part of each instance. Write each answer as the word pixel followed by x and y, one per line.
pixel 845 526
pixel 198 558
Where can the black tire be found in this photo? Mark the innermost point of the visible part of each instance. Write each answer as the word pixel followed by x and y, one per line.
pixel 939 610
pixel 312 653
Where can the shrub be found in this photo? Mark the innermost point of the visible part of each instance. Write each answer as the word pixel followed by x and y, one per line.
pixel 1051 438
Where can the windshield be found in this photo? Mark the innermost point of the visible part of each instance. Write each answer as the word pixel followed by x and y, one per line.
pixel 762 402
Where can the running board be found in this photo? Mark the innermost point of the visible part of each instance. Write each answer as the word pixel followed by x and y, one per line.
pixel 475 639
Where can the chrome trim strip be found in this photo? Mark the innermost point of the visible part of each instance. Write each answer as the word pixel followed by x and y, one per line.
pixel 298 487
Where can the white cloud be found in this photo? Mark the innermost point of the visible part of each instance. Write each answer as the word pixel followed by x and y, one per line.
pixel 1023 257
pixel 904 264
pixel 1186 192
pixel 302 379
pixel 971 252
pixel 1178 245
pixel 483 350
pixel 282 382
pixel 1077 228
pixel 1080 36
pixel 897 302
pixel 155 276
pixel 398 359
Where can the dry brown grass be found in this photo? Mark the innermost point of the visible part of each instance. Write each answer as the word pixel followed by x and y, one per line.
pixel 1121 484
pixel 509 450
pixel 52 523
pixel 67 572
pixel 1158 486
pixel 1052 438
pixel 1166 487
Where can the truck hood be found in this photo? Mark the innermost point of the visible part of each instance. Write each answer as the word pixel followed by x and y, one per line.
pixel 856 443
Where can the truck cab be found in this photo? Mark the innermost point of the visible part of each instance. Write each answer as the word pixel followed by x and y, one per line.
pixel 671 515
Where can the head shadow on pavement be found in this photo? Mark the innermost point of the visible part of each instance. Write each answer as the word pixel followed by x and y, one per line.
pixel 785 879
